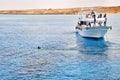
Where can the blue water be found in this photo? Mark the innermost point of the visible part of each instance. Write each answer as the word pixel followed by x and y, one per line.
pixel 64 54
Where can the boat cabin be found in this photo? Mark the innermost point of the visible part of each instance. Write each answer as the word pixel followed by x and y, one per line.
pixel 92 20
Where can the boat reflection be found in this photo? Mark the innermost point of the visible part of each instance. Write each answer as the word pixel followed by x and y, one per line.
pixel 91 46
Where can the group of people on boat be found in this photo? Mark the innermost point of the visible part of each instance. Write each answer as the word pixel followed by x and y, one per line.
pixel 95 18
pixel 100 22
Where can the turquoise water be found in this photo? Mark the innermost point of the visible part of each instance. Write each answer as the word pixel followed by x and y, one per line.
pixel 64 54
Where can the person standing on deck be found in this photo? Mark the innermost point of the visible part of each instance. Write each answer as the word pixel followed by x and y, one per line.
pixel 105 20
pixel 94 16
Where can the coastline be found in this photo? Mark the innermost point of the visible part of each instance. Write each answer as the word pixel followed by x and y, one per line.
pixel 108 10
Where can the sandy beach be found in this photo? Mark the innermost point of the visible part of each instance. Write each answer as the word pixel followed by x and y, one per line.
pixel 110 10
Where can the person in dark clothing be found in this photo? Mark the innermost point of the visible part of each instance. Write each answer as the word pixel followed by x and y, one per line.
pixel 94 16
pixel 105 19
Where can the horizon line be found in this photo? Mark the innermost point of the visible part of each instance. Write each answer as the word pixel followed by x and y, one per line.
pixel 61 8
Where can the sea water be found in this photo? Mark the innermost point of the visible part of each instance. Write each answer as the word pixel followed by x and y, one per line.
pixel 63 53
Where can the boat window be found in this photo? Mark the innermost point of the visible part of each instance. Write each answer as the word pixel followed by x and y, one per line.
pixel 83 23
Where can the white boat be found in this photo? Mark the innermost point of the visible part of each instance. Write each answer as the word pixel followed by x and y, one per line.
pixel 88 28
pixel 93 32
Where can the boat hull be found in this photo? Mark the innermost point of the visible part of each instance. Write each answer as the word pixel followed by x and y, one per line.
pixel 93 32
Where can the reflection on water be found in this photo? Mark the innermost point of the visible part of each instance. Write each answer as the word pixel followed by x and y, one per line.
pixel 92 46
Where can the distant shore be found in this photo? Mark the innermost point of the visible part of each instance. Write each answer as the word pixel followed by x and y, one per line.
pixel 100 9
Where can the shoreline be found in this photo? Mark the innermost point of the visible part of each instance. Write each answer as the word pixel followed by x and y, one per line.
pixel 65 11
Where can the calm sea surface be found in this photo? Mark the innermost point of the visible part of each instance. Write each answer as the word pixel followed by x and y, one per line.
pixel 64 54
